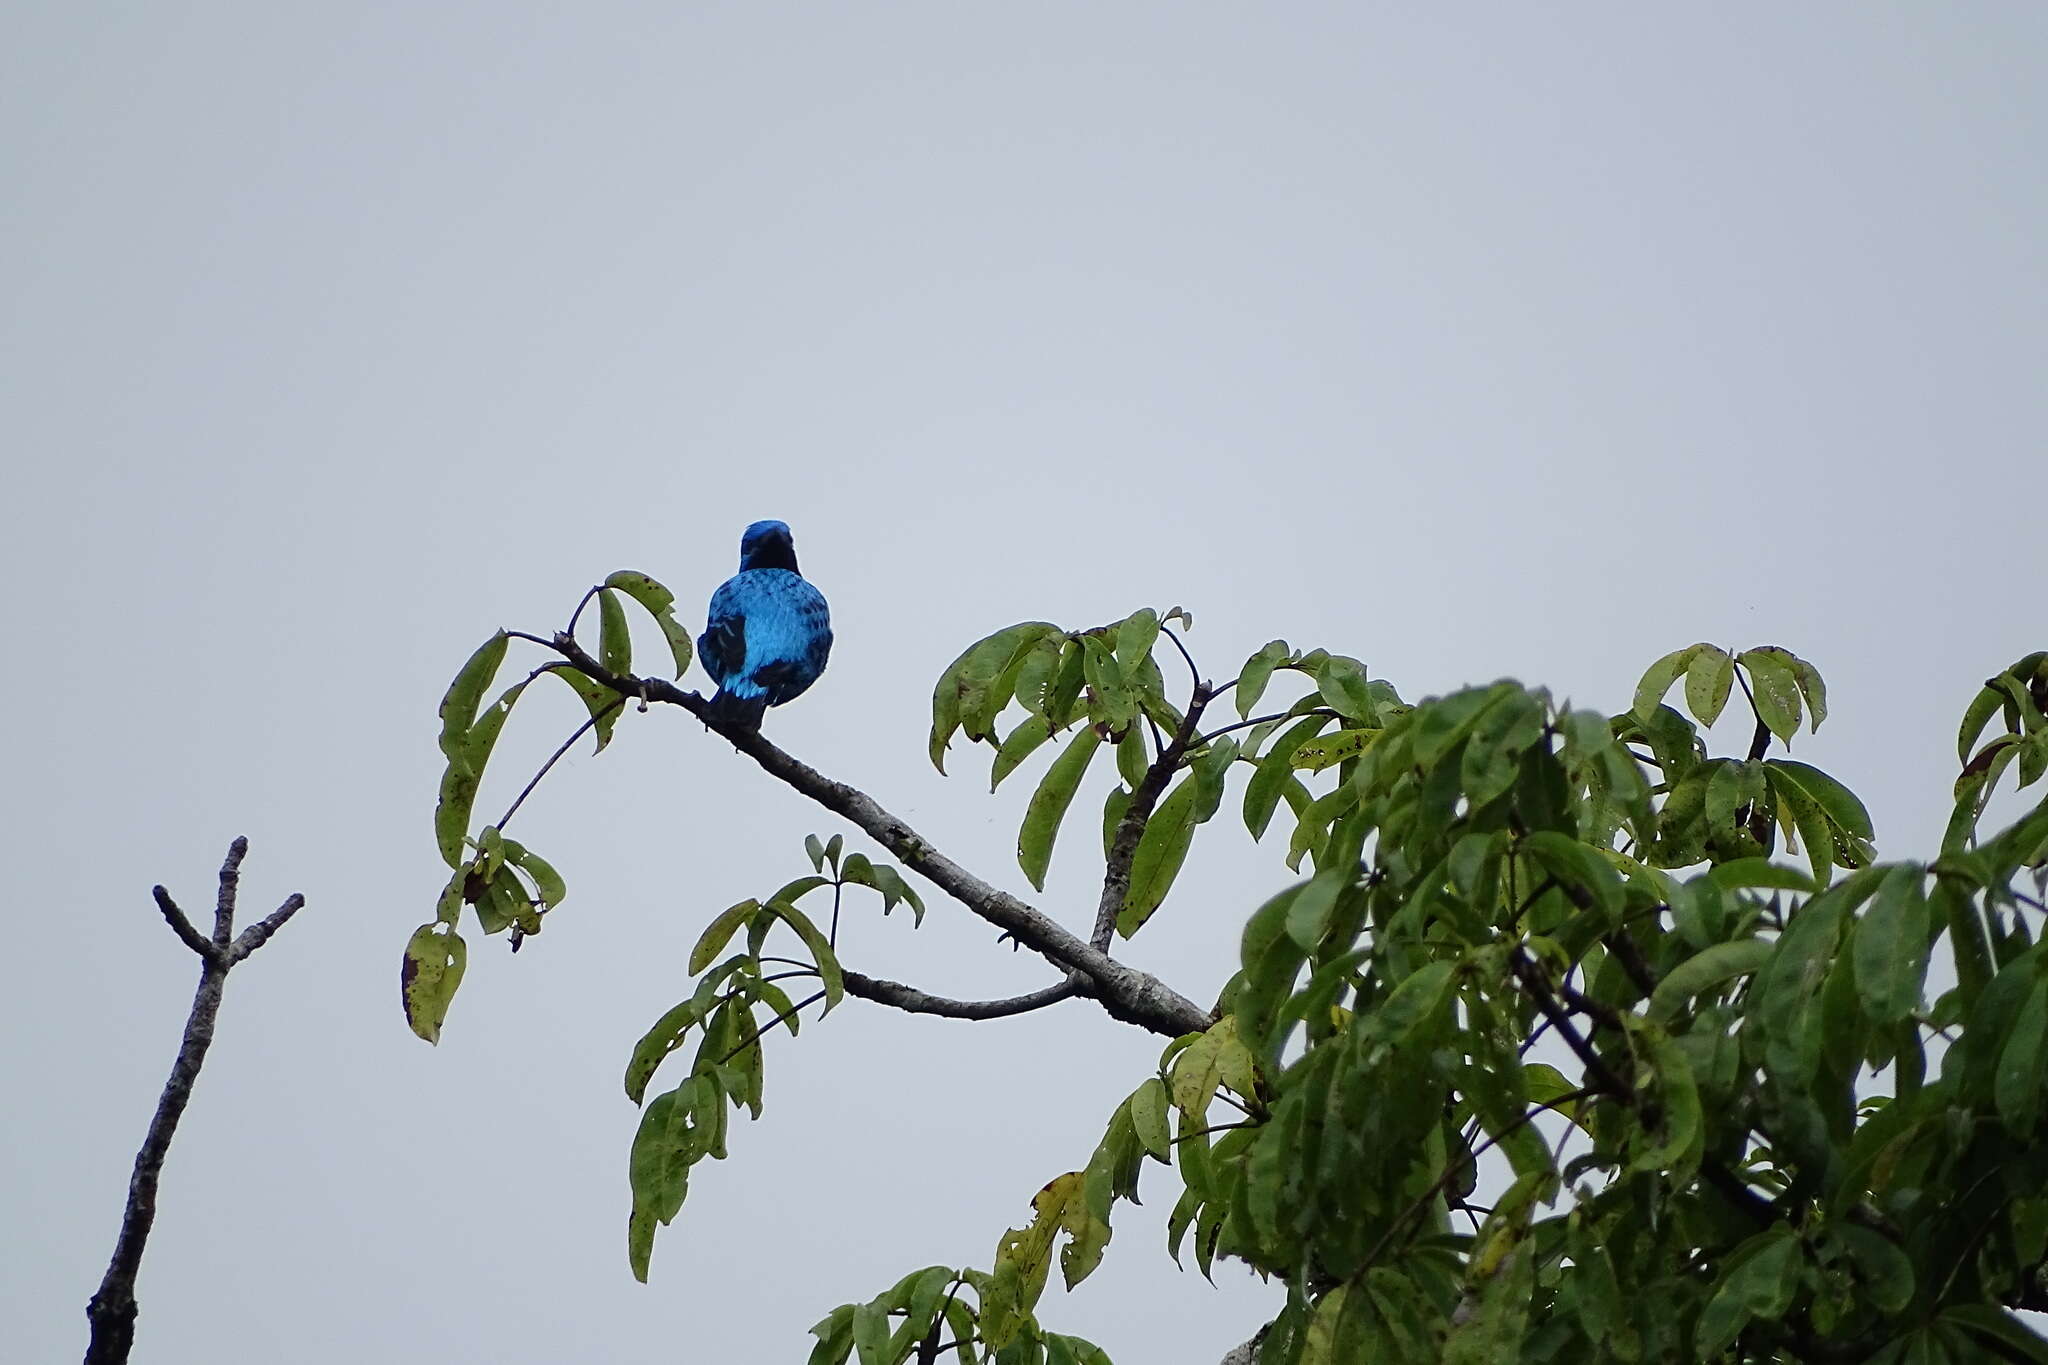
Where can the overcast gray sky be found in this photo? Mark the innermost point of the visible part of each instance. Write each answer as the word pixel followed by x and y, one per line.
pixel 1472 340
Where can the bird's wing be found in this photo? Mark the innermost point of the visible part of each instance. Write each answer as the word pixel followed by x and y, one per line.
pixel 723 645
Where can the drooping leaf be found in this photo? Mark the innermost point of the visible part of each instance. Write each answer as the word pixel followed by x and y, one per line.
pixel 1161 850
pixel 1758 1280
pixel 1657 679
pixel 829 974
pixel 614 638
pixel 603 704
pixel 1776 687
pixel 1708 676
pixel 435 957
pixel 1049 805
pixel 466 693
pixel 719 932
pixel 1256 673
pixel 1891 946
pixel 659 603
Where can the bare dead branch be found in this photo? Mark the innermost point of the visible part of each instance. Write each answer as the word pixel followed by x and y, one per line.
pixel 181 926
pixel 111 1311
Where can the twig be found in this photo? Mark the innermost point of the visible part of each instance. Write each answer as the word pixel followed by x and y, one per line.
pixel 111 1312
pixel 577 614
pixel 1194 673
pixel 585 728
pixel 1604 1077
pixel 756 1035
pixel 899 996
pixel 1261 720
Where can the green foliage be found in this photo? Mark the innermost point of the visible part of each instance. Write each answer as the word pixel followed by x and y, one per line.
pixel 1575 1039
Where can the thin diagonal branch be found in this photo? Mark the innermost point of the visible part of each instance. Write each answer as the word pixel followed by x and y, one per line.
pixel 902 997
pixel 1126 993
pixel 111 1312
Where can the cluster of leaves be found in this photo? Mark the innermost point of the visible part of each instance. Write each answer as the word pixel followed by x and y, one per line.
pixel 942 1311
pixel 1556 947
pixel 1102 688
pixel 681 1127
pixel 509 886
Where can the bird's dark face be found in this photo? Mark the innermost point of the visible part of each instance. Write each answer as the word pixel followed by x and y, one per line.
pixel 768 545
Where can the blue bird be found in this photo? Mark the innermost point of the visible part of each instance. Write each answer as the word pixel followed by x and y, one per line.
pixel 768 631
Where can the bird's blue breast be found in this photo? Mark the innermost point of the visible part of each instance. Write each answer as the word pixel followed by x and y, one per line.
pixel 768 636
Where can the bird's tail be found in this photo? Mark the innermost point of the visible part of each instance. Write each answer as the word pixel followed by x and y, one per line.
pixel 744 712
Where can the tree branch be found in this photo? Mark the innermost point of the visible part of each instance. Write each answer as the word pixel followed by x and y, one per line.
pixel 1116 873
pixel 902 997
pixel 111 1312
pixel 181 926
pixel 1126 993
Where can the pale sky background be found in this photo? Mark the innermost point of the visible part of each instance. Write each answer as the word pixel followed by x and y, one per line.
pixel 1473 340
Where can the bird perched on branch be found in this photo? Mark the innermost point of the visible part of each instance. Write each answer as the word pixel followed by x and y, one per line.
pixel 768 631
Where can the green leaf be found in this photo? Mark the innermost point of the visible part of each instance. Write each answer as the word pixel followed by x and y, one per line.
pixel 665 1037
pixel 1573 864
pixel 1217 1057
pixel 1114 706
pixel 1657 679
pixel 835 1336
pixel 1135 638
pixel 1841 806
pixel 1776 687
pixel 1024 1255
pixel 614 638
pixel 2017 1084
pixel 1886 1271
pixel 1759 1281
pixel 1341 682
pixel 603 704
pixel 1020 745
pixel 829 974
pixel 1891 946
pixel 2005 1333
pixel 1049 805
pixel 1708 676
pixel 465 773
pixel 1161 851
pixel 1148 1117
pixel 1332 749
pixel 1740 873
pixel 1813 689
pixel 458 705
pixel 971 691
pixel 659 603
pixel 435 957
pixel 1257 672
pixel 1262 793
pixel 1706 971
pixel 1410 1006
pixel 547 883
pixel 719 932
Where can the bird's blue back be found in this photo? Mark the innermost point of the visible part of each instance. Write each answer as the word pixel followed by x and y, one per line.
pixel 768 632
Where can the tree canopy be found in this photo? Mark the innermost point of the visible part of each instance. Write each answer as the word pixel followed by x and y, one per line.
pixel 1566 1039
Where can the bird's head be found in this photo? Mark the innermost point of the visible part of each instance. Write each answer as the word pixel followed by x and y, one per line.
pixel 767 545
